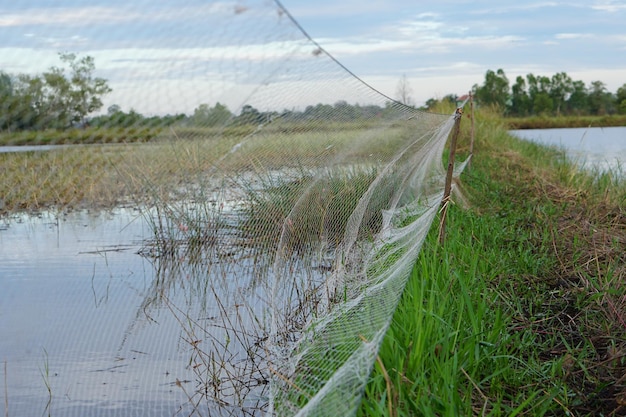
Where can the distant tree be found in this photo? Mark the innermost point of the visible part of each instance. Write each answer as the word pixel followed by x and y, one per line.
pixel 248 115
pixel 561 87
pixel 404 91
pixel 318 112
pixel 7 102
pixel 114 108
pixel 542 103
pixel 219 114
pixel 621 99
pixel 204 115
pixel 600 100
pixel 431 103
pixel 494 91
pixel 343 111
pixel 55 99
pixel 87 90
pixel 6 85
pixel 520 101
pixel 32 103
pixel 578 102
pixel 539 94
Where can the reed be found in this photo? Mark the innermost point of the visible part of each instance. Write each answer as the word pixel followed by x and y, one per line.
pixel 107 175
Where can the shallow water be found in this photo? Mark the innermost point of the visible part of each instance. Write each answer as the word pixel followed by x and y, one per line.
pixel 32 148
pixel 602 148
pixel 81 311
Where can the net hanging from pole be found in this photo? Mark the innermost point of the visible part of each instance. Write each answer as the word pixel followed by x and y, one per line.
pixel 288 201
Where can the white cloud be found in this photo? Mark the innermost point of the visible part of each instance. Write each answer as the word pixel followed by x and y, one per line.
pixel 573 35
pixel 514 7
pixel 334 9
pixel 65 16
pixel 85 16
pixel 610 6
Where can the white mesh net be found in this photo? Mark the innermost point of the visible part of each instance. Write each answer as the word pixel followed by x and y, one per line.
pixel 287 207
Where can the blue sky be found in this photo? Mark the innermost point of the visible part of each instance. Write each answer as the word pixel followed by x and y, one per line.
pixel 442 46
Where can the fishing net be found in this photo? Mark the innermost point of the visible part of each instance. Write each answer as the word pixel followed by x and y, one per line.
pixel 287 200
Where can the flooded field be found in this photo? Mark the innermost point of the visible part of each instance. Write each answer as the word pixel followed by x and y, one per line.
pixel 94 323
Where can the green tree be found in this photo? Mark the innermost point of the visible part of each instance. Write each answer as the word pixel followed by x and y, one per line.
pixel 85 91
pixel 600 100
pixel 494 91
pixel 31 102
pixel 520 101
pixel 204 115
pixel 620 99
pixel 542 103
pixel 539 94
pixel 578 102
pixel 7 101
pixel 55 99
pixel 249 115
pixel 561 87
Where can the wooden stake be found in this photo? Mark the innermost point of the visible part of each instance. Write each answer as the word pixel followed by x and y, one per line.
pixel 471 149
pixel 448 187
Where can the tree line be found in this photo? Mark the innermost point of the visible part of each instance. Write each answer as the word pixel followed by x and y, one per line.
pixel 66 96
pixel 542 95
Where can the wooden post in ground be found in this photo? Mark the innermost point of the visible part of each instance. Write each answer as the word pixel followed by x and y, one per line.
pixel 471 149
pixel 448 187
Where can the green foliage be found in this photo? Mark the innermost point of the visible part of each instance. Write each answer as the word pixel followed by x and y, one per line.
pixel 116 118
pixel 53 99
pixel 542 95
pixel 204 115
pixel 494 91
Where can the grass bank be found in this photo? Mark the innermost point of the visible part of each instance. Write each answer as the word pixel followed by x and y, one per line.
pixel 523 310
pixel 550 122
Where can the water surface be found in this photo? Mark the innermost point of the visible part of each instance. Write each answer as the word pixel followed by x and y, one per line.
pixel 83 313
pixel 603 148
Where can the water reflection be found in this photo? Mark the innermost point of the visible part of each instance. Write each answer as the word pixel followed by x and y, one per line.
pixel 592 148
pixel 111 330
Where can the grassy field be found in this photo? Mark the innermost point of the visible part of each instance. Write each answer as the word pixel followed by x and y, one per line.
pixel 104 175
pixel 523 310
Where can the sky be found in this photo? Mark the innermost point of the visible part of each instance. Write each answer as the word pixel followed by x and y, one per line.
pixel 192 48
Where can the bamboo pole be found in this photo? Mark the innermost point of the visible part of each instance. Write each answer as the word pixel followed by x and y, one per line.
pixel 448 187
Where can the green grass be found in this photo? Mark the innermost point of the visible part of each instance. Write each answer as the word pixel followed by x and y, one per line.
pixel 449 349
pixel 521 311
pixel 80 136
pixel 549 122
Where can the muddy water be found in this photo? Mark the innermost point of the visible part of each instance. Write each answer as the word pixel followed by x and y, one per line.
pixel 88 326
